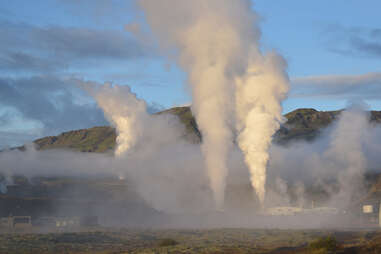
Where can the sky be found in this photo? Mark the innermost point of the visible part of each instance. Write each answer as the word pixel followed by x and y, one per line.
pixel 333 50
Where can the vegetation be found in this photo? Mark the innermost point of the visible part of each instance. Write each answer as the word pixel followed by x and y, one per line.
pixel 167 242
pixel 96 139
pixel 305 124
pixel 239 241
pixel 324 244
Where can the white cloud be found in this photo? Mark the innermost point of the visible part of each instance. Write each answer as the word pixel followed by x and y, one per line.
pixel 364 86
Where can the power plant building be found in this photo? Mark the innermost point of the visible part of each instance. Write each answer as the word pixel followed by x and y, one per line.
pixel 371 212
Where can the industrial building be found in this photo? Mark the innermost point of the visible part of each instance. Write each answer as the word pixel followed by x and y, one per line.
pixel 12 223
pixel 57 222
pixel 284 210
pixel 370 211
pixel 294 210
pixel 16 222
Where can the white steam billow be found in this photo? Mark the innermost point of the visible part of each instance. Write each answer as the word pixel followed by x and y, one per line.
pixel 259 113
pixel 151 151
pixel 346 152
pixel 123 110
pixel 343 153
pixel 216 43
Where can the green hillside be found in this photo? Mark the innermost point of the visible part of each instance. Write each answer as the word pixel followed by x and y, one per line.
pixel 307 123
pixel 96 139
pixel 301 124
pixel 102 139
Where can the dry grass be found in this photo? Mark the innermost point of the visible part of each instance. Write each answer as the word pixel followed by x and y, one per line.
pixel 218 241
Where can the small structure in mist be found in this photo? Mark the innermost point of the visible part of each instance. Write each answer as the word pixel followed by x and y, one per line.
pixel 23 223
pixel 295 210
pixel 57 222
pixel 371 212
pixel 284 210
pixel 66 222
pixel 16 222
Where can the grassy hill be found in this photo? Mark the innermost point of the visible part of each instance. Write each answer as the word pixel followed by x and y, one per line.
pixel 301 124
pixel 96 139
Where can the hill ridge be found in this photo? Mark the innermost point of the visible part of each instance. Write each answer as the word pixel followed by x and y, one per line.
pixel 302 123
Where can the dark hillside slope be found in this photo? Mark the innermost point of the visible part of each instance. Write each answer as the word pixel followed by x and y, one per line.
pixel 96 139
pixel 303 124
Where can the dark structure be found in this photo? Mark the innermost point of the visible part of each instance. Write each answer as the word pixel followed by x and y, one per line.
pixel 370 211
pixel 57 222
pixel 16 222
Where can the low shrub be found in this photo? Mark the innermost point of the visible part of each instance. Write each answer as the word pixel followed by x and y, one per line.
pixel 328 243
pixel 167 242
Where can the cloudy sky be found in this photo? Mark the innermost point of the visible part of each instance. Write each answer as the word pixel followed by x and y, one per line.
pixel 333 49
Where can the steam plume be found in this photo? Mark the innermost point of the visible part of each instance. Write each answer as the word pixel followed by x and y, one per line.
pixel 259 113
pixel 347 153
pixel 216 42
pixel 335 162
pixel 123 110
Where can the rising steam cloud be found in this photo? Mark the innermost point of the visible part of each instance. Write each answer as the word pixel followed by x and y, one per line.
pixel 232 83
pixel 342 153
pixel 346 152
pixel 259 113
pixel 124 110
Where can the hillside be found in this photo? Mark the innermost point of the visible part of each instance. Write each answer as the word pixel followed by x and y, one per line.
pixel 102 139
pixel 301 124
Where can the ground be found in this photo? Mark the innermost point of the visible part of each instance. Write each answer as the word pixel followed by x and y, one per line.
pixel 238 241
